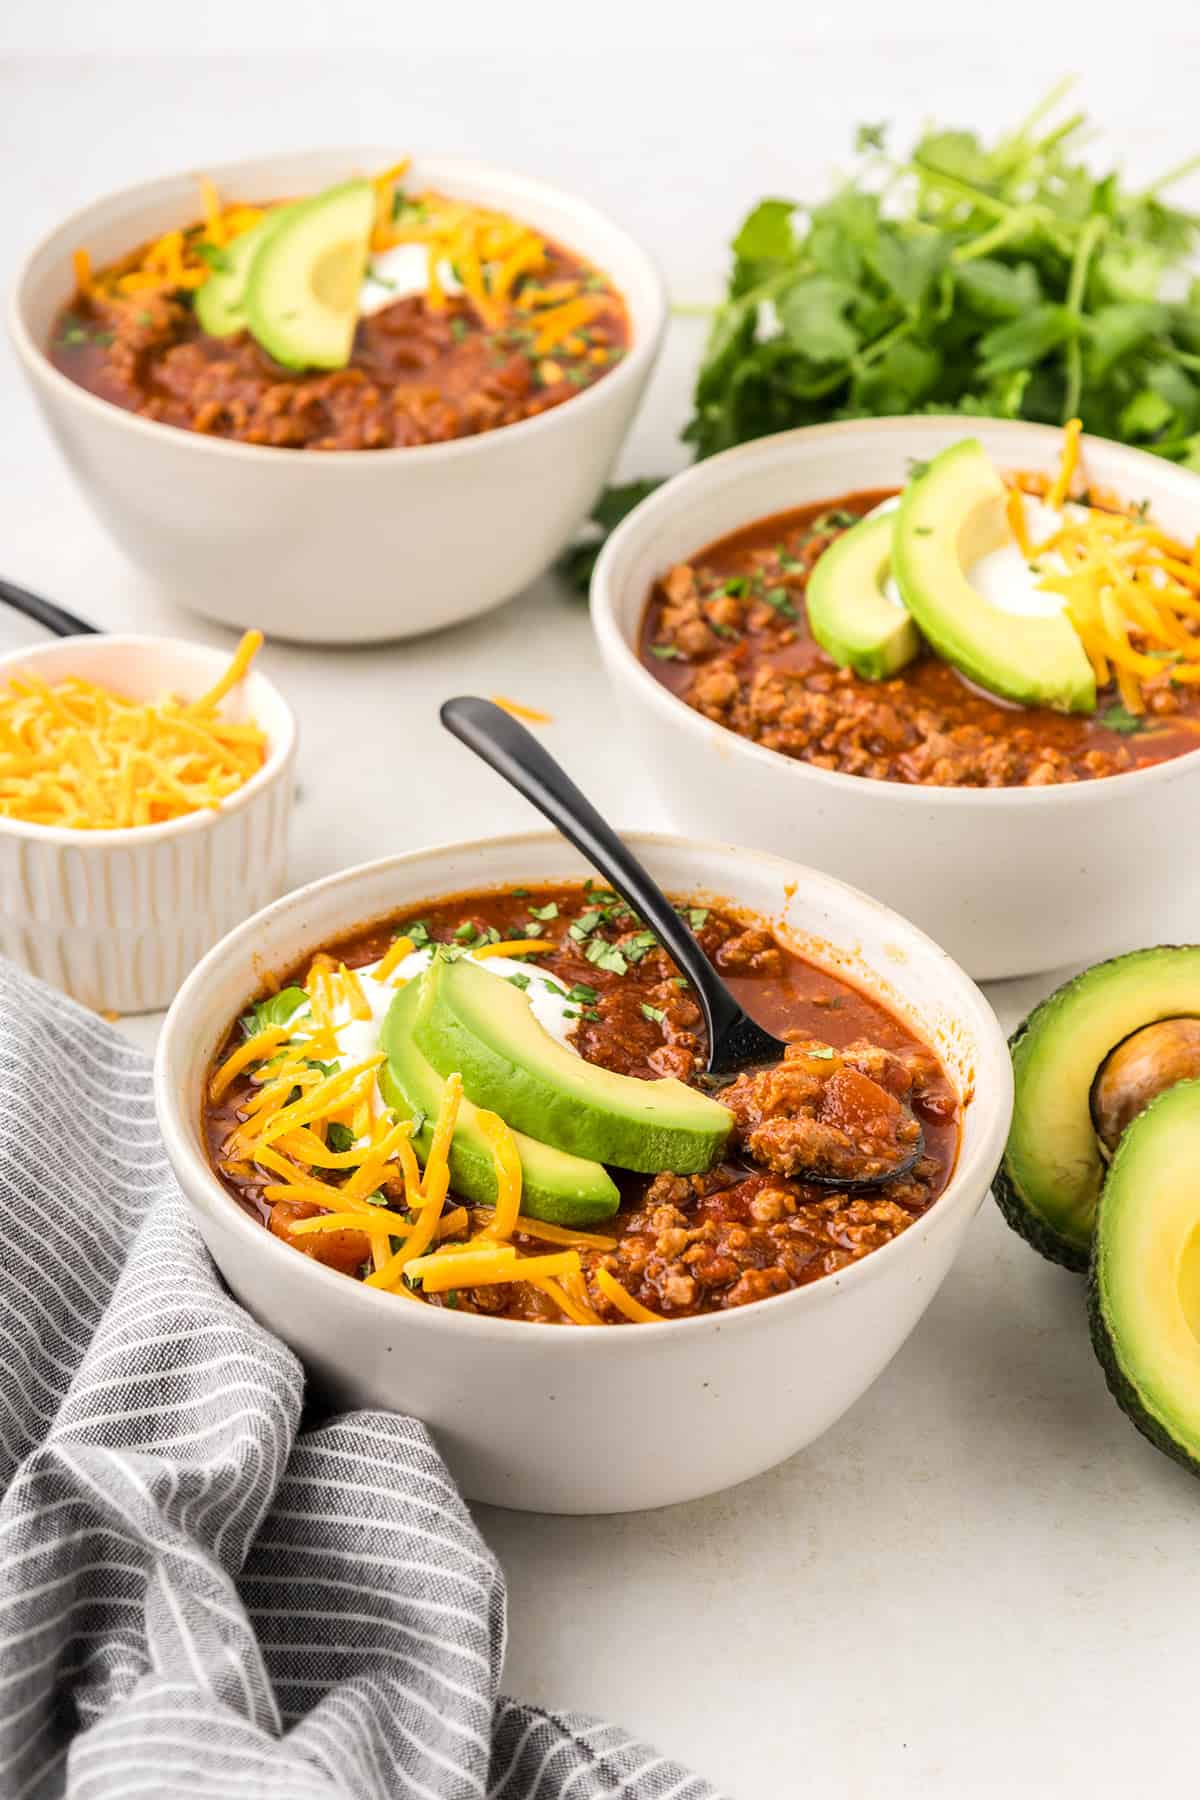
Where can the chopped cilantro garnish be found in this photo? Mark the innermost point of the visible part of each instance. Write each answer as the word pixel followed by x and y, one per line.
pixel 822 1053
pixel 74 334
pixel 1118 718
pixel 519 981
pixel 519 893
pixel 417 932
pixel 570 1012
pixel 916 468
pixel 466 933
pixel 655 1014
pixel 214 256
pixel 281 1009
pixel 666 653
pixel 639 945
pixel 549 911
pixel 533 931
pixel 735 586
pixel 582 992
pixel 583 927
pixel 606 956
pixel 777 599
pixel 722 631
pixel 697 917
pixel 419 1121
pixel 340 1138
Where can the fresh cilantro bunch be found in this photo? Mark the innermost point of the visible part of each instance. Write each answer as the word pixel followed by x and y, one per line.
pixel 1004 280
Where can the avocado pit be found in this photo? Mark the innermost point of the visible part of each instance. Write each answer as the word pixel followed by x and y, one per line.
pixel 1140 1068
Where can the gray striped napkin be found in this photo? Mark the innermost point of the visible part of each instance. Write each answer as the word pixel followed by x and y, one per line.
pixel 196 1596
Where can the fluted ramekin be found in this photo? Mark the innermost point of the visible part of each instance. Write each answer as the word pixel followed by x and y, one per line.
pixel 118 918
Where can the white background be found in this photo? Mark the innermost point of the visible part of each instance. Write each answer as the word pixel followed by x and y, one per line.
pixel 981 1582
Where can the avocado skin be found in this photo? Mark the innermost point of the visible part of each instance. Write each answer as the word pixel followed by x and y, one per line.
pixel 1124 1391
pixel 1121 1388
pixel 1032 1226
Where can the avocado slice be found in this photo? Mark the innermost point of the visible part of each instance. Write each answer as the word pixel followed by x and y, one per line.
pixel 484 1028
pixel 1144 1295
pixel 950 515
pixel 220 304
pixel 1049 1182
pixel 563 1190
pixel 303 287
pixel 849 613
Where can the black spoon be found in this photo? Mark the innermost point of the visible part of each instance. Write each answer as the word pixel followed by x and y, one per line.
pixel 44 612
pixel 735 1041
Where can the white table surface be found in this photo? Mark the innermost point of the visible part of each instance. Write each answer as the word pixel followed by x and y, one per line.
pixel 981 1581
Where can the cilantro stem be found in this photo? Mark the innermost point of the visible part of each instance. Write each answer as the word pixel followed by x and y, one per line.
pixel 1089 237
pixel 1172 175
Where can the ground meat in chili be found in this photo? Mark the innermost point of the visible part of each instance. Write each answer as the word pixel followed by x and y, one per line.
pixel 727 632
pixel 417 374
pixel 682 1244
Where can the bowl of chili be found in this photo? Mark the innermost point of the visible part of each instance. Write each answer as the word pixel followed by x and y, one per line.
pixel 1020 837
pixel 697 1329
pixel 430 478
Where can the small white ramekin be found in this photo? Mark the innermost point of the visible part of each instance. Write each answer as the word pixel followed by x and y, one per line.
pixel 117 918
pixel 1009 880
pixel 338 547
pixel 598 1418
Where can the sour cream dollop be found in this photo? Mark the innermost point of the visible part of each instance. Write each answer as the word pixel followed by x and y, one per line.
pixel 396 273
pixel 356 1039
pixel 1004 576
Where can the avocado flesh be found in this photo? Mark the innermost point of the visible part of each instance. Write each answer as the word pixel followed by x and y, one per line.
pixel 484 1028
pixel 1145 1288
pixel 848 612
pixel 562 1190
pixel 949 517
pixel 1052 1172
pixel 220 304
pixel 303 288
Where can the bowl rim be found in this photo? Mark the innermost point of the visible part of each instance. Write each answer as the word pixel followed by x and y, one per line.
pixel 282 748
pixel 971 1171
pixel 674 713
pixel 640 356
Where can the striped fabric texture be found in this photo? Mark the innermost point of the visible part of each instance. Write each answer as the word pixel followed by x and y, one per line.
pixel 201 1592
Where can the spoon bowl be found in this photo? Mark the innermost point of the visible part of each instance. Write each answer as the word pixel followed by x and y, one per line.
pixel 736 1042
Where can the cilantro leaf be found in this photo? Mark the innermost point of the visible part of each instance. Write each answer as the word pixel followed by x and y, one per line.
pixel 280 1009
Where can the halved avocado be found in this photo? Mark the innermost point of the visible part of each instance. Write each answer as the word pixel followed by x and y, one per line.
pixel 849 613
pixel 484 1028
pixel 304 283
pixel 562 1189
pixel 1144 1294
pixel 951 515
pixel 220 303
pixel 1050 1180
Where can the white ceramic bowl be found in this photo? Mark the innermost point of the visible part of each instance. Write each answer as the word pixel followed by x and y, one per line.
pixel 1009 880
pixel 117 918
pixel 338 547
pixel 599 1419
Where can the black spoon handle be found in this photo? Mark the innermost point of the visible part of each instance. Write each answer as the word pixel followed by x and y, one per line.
pixel 505 745
pixel 55 618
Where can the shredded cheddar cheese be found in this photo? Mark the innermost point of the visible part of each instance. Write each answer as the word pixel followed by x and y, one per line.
pixel 321 1144
pixel 624 1301
pixel 513 947
pixel 79 755
pixel 532 715
pixel 495 259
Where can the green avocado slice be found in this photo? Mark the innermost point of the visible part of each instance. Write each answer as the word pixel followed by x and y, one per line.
pixel 220 304
pixel 303 288
pixel 1050 1179
pixel 951 515
pixel 1144 1295
pixel 484 1028
pixel 849 613
pixel 561 1189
